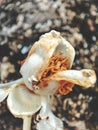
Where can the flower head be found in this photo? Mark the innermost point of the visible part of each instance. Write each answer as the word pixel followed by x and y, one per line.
pixel 45 71
pixel 48 64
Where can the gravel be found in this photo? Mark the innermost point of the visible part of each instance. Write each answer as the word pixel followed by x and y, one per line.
pixel 21 24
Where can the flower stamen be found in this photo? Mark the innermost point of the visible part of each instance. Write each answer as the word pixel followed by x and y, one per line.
pixel 57 63
pixel 65 87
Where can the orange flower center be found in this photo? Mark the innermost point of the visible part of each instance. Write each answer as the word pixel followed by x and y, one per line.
pixel 57 63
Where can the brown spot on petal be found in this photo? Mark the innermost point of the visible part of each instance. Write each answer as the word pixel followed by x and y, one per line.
pixel 86 74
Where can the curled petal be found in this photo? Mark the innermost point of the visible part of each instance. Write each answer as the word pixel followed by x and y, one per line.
pixel 85 77
pixel 22 102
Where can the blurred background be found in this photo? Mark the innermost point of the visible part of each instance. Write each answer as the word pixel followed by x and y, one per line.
pixel 21 24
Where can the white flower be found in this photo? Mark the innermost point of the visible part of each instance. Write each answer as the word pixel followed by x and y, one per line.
pixel 45 72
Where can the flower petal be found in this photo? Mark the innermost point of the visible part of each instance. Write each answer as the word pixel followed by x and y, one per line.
pixel 67 50
pixel 6 87
pixel 50 124
pixel 85 77
pixel 23 102
pixel 3 94
pixel 38 57
pixel 63 47
pixel 48 120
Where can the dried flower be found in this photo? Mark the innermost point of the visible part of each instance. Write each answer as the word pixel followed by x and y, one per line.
pixel 45 72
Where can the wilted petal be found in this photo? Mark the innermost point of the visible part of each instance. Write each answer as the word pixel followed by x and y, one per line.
pixel 38 57
pixel 48 120
pixel 64 46
pixel 6 87
pixel 30 68
pixel 67 50
pixel 49 124
pixel 44 124
pixel 23 102
pixel 85 77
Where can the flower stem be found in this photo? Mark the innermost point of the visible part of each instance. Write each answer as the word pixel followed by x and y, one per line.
pixel 27 123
